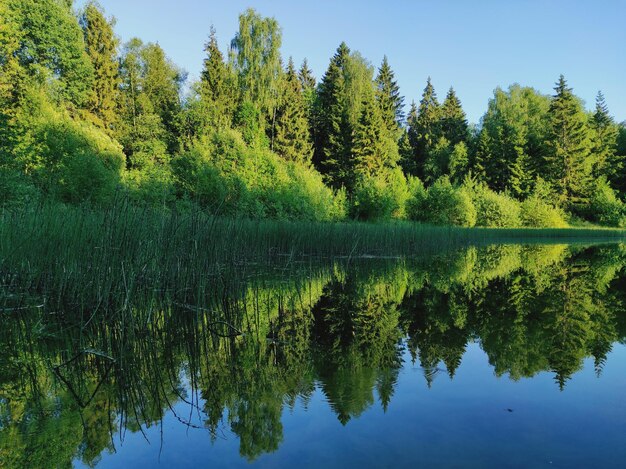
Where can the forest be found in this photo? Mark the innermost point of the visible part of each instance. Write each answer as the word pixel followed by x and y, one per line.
pixel 86 120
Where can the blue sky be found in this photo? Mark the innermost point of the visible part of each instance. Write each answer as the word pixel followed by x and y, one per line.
pixel 473 46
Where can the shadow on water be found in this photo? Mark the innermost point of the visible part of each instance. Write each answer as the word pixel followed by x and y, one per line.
pixel 77 379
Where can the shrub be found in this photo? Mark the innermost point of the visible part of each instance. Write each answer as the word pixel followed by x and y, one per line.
pixel 606 208
pixel 224 174
pixel 494 210
pixel 15 189
pixel 444 205
pixel 536 213
pixel 380 197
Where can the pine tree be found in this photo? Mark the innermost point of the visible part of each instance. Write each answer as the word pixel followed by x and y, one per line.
pixel 454 125
pixel 410 165
pixel 217 85
pixel 292 140
pixel 568 162
pixel 427 126
pixel 101 45
pixel 305 75
pixel 334 136
pixel 604 141
pixel 307 83
pixel 481 156
pixel 368 146
pixel 388 97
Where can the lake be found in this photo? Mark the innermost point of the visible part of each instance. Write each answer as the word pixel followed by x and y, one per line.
pixel 499 356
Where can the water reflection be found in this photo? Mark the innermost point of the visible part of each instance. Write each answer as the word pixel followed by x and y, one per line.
pixel 74 388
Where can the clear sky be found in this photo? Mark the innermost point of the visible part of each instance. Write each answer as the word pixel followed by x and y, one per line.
pixel 473 46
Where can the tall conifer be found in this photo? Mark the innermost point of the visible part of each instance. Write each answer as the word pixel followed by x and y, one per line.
pixel 101 45
pixel 568 162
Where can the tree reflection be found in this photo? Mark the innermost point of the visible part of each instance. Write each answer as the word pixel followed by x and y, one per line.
pixel 342 329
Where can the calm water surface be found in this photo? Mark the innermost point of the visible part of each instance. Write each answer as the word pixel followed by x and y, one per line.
pixel 506 356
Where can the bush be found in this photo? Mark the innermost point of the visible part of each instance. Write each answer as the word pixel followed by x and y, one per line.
pixel 444 205
pixel 380 197
pixel 606 208
pixel 536 213
pixel 227 176
pixel 152 186
pixel 16 189
pixel 416 202
pixel 72 160
pixel 494 210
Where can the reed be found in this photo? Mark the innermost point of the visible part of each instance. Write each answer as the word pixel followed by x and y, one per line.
pixel 109 258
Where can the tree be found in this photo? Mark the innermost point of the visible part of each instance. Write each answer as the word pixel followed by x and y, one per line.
pixel 453 120
pixel 427 126
pixel 307 83
pixel 292 140
pixel 368 146
pixel 101 45
pixel 512 142
pixel 568 162
pixel 605 141
pixel 388 97
pixel 257 60
pixel 217 85
pixel 334 135
pixel 410 164
pixel 51 41
pixel 305 75
pixel 149 104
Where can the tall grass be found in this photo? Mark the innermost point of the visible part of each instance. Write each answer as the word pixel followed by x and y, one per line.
pixel 97 257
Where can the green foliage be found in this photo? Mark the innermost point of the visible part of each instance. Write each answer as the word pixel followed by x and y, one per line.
pixel 494 210
pixel 226 176
pixel 101 46
pixel 66 158
pixel 388 97
pixel 538 210
pixel 217 86
pixel 453 120
pixel 512 142
pixel 291 139
pixel 605 134
pixel 569 163
pixel 444 204
pixel 257 60
pixel 605 207
pixel 51 43
pixel 16 190
pixel 380 196
pixel 425 128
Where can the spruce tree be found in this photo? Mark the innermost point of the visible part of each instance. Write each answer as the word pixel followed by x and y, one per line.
pixel 292 140
pixel 368 148
pixel 334 136
pixel 307 83
pixel 389 99
pixel 410 160
pixel 305 75
pixel 427 126
pixel 217 85
pixel 454 125
pixel 101 45
pixel 481 159
pixel 568 163
pixel 604 141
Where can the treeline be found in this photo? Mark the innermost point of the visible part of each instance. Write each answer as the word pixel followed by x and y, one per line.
pixel 85 119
